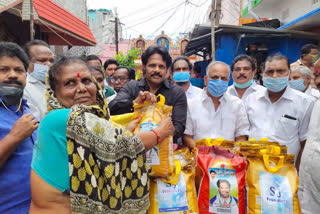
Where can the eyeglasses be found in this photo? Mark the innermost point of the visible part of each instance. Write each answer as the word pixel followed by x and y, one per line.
pixel 120 79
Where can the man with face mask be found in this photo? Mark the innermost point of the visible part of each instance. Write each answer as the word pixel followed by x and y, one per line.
pixel 243 70
pixel 180 71
pixel 214 113
pixel 41 59
pixel 278 112
pixel 17 131
pixel 309 54
pixel 300 79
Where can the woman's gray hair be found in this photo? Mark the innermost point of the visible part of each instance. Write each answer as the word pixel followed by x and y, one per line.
pixel 212 63
pixel 305 71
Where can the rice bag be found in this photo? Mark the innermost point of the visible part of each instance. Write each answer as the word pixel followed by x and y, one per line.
pixel 160 157
pixel 177 197
pixel 222 181
pixel 272 184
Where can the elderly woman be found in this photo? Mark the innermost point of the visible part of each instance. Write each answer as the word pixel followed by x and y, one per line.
pixel 82 161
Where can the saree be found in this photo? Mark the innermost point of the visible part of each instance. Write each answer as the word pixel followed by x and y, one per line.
pixel 107 163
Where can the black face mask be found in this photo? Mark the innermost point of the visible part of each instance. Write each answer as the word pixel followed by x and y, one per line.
pixel 11 94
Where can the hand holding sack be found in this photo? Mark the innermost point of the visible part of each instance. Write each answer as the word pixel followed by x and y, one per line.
pixel 159 158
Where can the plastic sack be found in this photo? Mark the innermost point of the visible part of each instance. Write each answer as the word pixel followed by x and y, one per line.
pixel 178 198
pixel 123 119
pixel 222 181
pixel 160 157
pixel 272 183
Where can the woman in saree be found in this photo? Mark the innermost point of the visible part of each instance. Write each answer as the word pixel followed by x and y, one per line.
pixel 82 161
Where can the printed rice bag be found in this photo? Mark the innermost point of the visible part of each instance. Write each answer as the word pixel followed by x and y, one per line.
pixel 272 184
pixel 222 181
pixel 160 157
pixel 178 195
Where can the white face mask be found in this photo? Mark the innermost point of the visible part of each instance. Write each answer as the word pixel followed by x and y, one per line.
pixel 40 72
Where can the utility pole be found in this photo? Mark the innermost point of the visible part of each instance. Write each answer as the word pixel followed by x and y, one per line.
pixel 31 20
pixel 213 25
pixel 116 30
pixel 215 20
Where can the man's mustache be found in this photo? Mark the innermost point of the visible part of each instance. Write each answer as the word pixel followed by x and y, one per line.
pixel 241 75
pixel 17 82
pixel 156 74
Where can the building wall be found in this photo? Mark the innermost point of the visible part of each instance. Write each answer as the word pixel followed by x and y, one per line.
pixel 101 23
pixel 76 7
pixel 284 10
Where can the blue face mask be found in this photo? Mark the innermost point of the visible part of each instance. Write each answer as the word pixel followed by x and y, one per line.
pixel 217 87
pixel 40 71
pixel 181 76
pixel 275 84
pixel 298 85
pixel 244 85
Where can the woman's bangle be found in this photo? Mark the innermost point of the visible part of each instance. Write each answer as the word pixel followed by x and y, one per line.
pixel 156 133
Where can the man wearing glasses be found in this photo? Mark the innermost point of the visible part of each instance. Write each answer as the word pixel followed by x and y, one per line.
pixel 120 77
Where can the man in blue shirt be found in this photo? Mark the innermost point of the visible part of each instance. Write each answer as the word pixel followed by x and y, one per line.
pixel 17 131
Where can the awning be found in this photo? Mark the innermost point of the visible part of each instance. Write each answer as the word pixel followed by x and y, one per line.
pixel 308 22
pixel 201 36
pixel 63 27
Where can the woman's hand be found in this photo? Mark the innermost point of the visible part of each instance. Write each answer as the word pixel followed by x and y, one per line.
pixel 131 126
pixel 145 96
pixel 165 128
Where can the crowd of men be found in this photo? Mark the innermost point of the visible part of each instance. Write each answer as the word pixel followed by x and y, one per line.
pixel 279 109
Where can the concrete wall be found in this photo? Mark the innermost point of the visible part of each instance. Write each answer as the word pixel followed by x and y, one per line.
pixel 76 7
pixel 284 10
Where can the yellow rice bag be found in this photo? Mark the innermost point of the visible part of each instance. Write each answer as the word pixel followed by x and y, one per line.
pixel 160 157
pixel 123 119
pixel 178 198
pixel 272 183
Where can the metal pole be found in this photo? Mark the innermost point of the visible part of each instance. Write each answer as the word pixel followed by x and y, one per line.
pixel 31 21
pixel 213 24
pixel 116 31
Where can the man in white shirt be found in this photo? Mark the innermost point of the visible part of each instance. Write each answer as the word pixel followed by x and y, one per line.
pixel 214 113
pixel 300 79
pixel 279 112
pixel 41 59
pixel 243 70
pixel 180 71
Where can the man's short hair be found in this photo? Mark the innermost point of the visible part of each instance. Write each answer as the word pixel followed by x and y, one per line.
pixel 223 181
pixel 211 171
pixel 93 57
pixel 186 59
pixel 241 58
pixel 28 45
pixel 277 56
pixel 306 49
pixel 157 50
pixel 110 62
pixel 130 72
pixel 305 71
pixel 12 50
pixel 212 63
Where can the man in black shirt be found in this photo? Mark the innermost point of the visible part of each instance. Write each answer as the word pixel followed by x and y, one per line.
pixel 156 60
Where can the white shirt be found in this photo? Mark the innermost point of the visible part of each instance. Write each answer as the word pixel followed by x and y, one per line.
pixel 312 92
pixel 193 91
pixel 251 89
pixel 35 94
pixel 268 119
pixel 309 173
pixel 229 121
